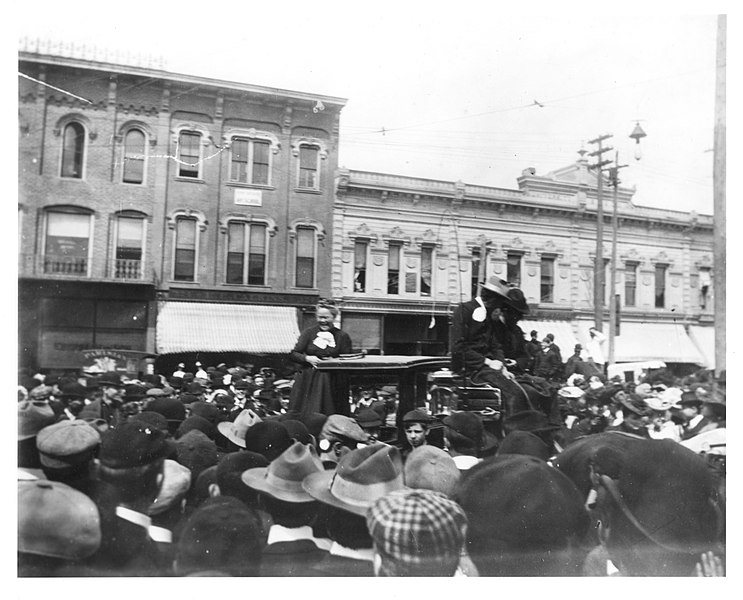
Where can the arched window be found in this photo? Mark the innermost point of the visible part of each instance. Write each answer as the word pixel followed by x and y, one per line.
pixel 189 154
pixel 73 150
pixel 135 154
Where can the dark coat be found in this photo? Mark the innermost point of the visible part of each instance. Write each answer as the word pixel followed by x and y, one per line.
pixel 471 341
pixel 696 430
pixel 548 365
pixel 312 391
pixel 511 340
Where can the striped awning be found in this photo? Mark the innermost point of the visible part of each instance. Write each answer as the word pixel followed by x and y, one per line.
pixel 638 342
pixel 204 327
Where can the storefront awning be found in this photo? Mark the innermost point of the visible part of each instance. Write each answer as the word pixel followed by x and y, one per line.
pixel 562 330
pixel 704 340
pixel 203 327
pixel 637 342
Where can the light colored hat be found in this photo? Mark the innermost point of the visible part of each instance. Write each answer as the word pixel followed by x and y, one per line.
pixel 431 468
pixel 283 477
pixel 235 430
pixel 570 391
pixel 497 285
pixel 175 485
pixel 67 443
pixel 33 416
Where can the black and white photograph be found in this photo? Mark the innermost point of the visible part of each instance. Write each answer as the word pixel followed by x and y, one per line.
pixel 378 290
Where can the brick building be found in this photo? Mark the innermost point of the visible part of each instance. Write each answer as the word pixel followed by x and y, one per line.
pixel 165 213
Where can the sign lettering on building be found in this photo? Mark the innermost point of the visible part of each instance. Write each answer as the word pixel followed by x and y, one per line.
pixel 248 197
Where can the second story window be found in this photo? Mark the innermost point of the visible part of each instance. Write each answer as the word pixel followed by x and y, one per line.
pixel 513 268
pixel 250 161
pixel 660 286
pixel 359 266
pixel 184 263
pixel 305 259
pixel 309 167
pixel 246 253
pixel 189 154
pixel 393 269
pixel 134 156
pixel 73 151
pixel 630 284
pixel 129 247
pixel 67 242
pixel 426 275
pixel 705 284
pixel 546 279
pixel 475 273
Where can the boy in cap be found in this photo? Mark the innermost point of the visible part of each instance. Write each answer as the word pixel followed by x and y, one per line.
pixel 416 533
pixel 416 424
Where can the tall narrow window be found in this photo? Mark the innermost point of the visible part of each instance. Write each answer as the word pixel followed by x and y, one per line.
pixel 513 268
pixel 426 270
pixel 393 269
pixel 129 246
pixel 660 286
pixel 67 243
pixel 359 266
pixel 189 154
pixel 250 161
pixel 475 273
pixel 184 268
pixel 705 283
pixel 308 167
pixel 134 156
pixel 73 151
pixel 547 279
pixel 305 275
pixel 630 284
pixel 246 253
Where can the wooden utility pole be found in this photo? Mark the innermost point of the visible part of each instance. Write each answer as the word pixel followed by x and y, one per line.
pixel 718 187
pixel 598 267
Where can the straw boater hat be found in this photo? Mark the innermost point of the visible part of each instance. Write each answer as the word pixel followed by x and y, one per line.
pixel 235 431
pixel 497 285
pixel 362 476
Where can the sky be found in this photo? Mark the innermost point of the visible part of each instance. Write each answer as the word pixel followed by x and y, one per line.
pixel 454 91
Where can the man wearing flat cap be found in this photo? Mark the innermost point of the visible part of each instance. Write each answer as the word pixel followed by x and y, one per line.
pixel 416 424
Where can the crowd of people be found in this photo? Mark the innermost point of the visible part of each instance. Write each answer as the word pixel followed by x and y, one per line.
pixel 222 471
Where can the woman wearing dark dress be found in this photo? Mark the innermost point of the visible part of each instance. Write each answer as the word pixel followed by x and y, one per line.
pixel 311 392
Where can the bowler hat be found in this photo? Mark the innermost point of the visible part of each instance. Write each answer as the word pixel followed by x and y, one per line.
pixel 133 444
pixel 134 392
pixel 468 425
pixel 33 416
pixel 151 418
pixel 283 477
pixel 195 422
pixel 497 285
pixel 72 389
pixel 171 408
pixel 361 476
pixel 366 417
pixel 235 430
pixel 298 431
pixel 207 410
pixel 57 521
pixel 431 468
pixel 517 301
pixel 690 399
pixel 109 378
pixel 269 438
pixel 67 443
pixel 196 451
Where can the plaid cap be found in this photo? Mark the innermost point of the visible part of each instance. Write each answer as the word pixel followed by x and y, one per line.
pixel 417 532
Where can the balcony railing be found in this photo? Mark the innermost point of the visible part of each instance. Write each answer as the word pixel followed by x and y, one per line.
pixel 127 269
pixel 65 265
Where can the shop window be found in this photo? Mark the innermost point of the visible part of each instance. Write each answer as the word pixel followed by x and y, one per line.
pixel 67 242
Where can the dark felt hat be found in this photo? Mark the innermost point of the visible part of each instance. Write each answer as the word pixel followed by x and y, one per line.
pixel 133 444
pixel 196 451
pixel 636 405
pixel 73 389
pixel 231 467
pixel 269 438
pixel 366 417
pixel 468 425
pixel 417 416
pixel 110 378
pixel 134 392
pixel 206 410
pixel 314 422
pixel 150 418
pixel 170 408
pixel 517 301
pixel 690 399
pixel 550 511
pixel 298 431
pixel 195 422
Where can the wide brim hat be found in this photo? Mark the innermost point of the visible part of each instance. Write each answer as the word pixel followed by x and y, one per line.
pixel 516 300
pixel 109 378
pixel 571 391
pixel 235 430
pixel 283 477
pixel 497 285
pixel 361 477
pixel 635 404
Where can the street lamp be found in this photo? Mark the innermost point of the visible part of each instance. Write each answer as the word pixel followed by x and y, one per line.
pixel 637 134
